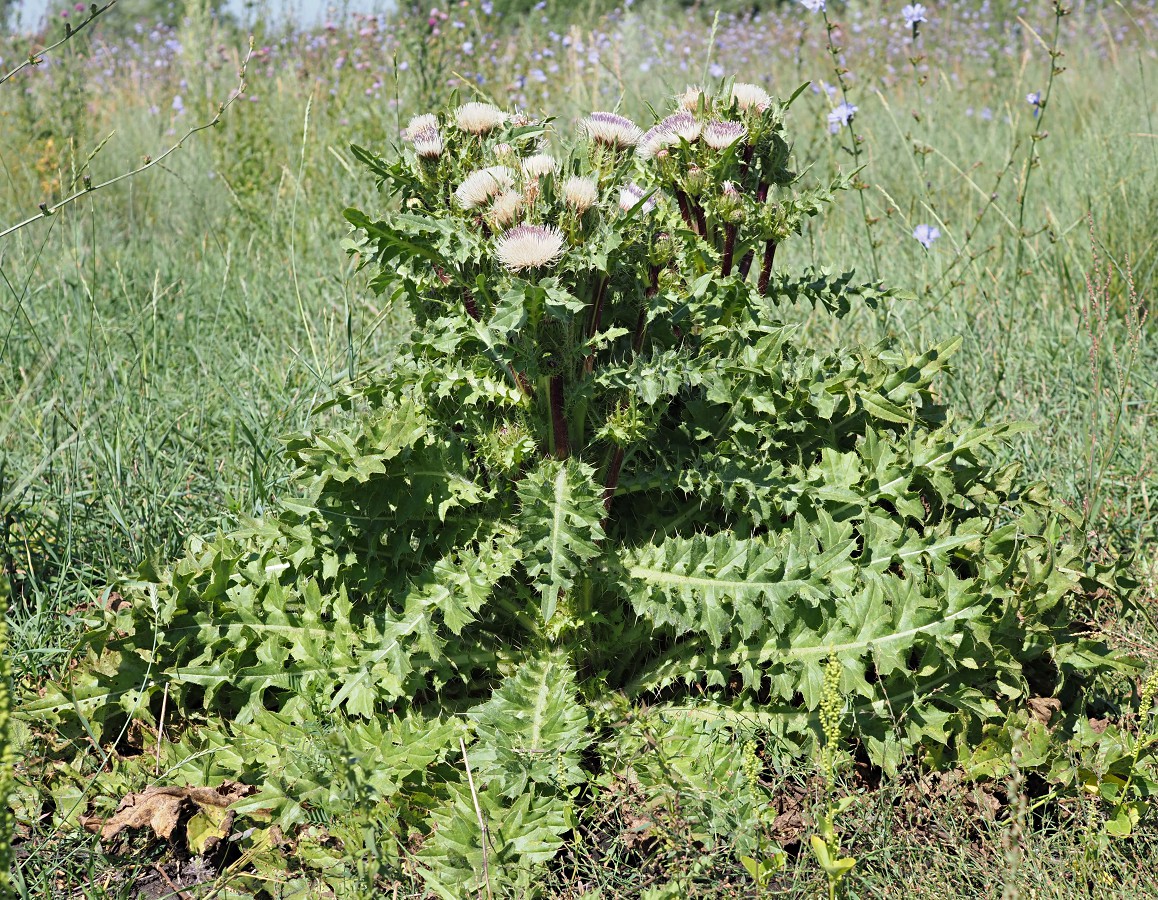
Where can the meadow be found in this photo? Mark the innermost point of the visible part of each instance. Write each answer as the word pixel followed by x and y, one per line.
pixel 162 334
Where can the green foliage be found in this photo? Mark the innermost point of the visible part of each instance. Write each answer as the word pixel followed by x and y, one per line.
pixel 603 474
pixel 8 752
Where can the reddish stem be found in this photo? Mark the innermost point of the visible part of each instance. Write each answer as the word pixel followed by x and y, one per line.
pixel 729 249
pixel 766 270
pixel 746 264
pixel 685 209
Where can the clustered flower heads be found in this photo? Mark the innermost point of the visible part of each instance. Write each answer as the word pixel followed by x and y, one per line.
pixel 479 118
pixel 611 129
pixel 481 186
pixel 529 247
pixel 580 194
pixel 722 135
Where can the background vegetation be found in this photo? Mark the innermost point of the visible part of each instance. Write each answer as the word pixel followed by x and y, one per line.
pixel 157 336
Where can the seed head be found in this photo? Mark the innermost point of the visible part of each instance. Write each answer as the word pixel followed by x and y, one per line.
pixel 479 187
pixel 580 194
pixel 529 247
pixel 479 118
pixel 722 135
pixel 611 129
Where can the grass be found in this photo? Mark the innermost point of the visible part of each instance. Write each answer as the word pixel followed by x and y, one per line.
pixel 157 337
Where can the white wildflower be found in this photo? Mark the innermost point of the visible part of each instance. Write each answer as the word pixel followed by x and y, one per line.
pixel 529 247
pixel 479 187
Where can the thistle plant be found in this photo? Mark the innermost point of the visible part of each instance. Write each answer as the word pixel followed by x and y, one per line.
pixel 602 489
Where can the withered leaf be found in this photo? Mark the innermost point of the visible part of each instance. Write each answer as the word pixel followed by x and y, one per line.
pixel 163 809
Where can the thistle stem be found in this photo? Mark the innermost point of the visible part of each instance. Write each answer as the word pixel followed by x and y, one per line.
pixel 558 419
pixel 596 321
pixel 612 480
pixel 468 301
pixel 729 249
pixel 641 322
pixel 746 264
pixel 685 209
pixel 766 270
pixel 701 222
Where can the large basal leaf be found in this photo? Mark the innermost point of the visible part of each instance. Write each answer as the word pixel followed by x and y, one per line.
pixel 559 522
pixel 533 730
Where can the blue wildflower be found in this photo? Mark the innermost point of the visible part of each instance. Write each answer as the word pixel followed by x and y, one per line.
pixel 1035 100
pixel 913 14
pixel 813 5
pixel 926 234
pixel 841 116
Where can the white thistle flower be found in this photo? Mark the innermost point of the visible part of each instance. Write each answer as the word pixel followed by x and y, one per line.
pixel 629 196
pixel 479 118
pixel 427 143
pixel 479 187
pixel 539 164
pixel 529 246
pixel 683 125
pixel 505 207
pixel 611 129
pixel 580 194
pixel 750 96
pixel 689 100
pixel 654 140
pixel 668 133
pixel 722 135
pixel 419 124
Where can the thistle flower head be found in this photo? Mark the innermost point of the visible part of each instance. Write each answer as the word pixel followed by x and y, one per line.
pixel 722 135
pixel 750 96
pixel 479 187
pixel 539 164
pixel 689 100
pixel 668 133
pixel 505 207
pixel 580 194
pixel 611 129
pixel 683 125
pixel 654 140
pixel 419 124
pixel 529 247
pixel 427 143
pixel 629 196
pixel 479 118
